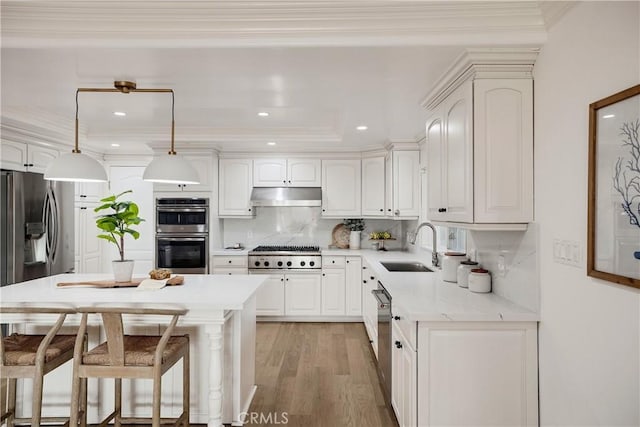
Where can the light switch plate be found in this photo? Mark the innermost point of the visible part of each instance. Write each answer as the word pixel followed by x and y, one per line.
pixel 567 252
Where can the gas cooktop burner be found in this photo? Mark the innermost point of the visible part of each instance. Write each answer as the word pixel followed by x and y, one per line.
pixel 286 248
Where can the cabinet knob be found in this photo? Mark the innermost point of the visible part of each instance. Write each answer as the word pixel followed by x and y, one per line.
pixel 364 281
pixel 347 261
pixel 284 181
pixel 373 278
pixel 323 275
pixel 289 181
pixel 229 261
pixel 287 279
pixel 381 210
pixel 388 210
pixel 333 261
pixel 442 209
pixel 282 279
pixel 249 209
pixel 398 344
pixel 397 212
pixel 364 267
pixel 396 317
pixel 324 210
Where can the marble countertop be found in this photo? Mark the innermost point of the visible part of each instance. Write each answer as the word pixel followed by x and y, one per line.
pixel 199 291
pixel 426 297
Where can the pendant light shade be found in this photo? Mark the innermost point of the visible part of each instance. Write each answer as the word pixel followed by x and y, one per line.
pixel 75 167
pixel 171 169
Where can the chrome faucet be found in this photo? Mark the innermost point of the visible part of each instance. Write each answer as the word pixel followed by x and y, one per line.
pixel 434 253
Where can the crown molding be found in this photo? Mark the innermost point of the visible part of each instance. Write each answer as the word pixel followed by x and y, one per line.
pixel 137 23
pixel 514 63
pixel 552 11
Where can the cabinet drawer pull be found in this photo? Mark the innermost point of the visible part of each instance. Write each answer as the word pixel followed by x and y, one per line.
pixel 396 317
pixel 442 209
pixel 398 344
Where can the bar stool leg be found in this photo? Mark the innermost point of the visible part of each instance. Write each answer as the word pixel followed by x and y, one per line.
pixel 186 401
pixel 11 401
pixel 83 402
pixel 36 400
pixel 117 422
pixel 157 391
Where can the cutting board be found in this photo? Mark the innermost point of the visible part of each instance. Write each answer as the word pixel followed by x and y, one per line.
pixel 174 281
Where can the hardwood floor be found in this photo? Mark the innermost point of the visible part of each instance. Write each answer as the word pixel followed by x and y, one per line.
pixel 316 374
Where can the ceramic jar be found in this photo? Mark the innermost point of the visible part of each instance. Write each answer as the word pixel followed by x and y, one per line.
pixel 480 280
pixel 450 263
pixel 464 269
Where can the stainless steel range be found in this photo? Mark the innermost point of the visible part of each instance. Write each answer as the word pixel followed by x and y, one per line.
pixel 289 258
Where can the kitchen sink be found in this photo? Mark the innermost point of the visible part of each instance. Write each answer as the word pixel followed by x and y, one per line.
pixel 414 267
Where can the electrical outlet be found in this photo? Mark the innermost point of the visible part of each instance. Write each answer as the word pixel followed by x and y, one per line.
pixel 502 265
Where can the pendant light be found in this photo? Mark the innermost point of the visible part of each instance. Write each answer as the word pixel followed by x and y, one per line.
pixel 171 168
pixel 75 166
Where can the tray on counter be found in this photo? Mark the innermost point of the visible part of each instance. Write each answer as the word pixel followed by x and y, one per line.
pixel 174 281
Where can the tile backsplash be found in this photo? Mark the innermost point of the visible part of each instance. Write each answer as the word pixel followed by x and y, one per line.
pixel 300 226
pixel 512 259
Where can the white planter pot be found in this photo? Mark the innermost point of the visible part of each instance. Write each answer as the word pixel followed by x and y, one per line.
pixel 354 240
pixel 122 270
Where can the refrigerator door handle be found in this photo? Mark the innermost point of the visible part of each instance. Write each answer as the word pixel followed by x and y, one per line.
pixel 46 220
pixel 53 205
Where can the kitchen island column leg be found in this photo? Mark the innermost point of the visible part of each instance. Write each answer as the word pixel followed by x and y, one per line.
pixel 215 333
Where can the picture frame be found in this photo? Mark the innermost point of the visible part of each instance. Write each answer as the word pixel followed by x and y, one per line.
pixel 613 235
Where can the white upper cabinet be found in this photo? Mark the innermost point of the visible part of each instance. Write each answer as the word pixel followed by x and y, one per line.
pixel 373 186
pixel 295 172
pixel 402 184
pixel 19 156
pixel 235 183
pixel 480 142
pixel 503 150
pixel 450 151
pixel 406 184
pixel 269 172
pixel 341 188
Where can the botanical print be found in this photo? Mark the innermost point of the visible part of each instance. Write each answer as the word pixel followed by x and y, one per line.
pixel 626 180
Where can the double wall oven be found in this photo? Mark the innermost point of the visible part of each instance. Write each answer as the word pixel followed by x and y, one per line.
pixel 182 235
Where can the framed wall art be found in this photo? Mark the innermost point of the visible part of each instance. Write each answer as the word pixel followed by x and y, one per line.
pixel 613 241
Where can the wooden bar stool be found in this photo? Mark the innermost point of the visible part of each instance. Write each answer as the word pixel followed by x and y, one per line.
pixel 129 356
pixel 33 356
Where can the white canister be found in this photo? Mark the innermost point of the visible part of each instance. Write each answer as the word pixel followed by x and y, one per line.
pixel 480 280
pixel 464 269
pixel 450 263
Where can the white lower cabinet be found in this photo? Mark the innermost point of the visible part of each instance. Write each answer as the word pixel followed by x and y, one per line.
pixel 270 296
pixel 353 286
pixel 469 373
pixel 370 305
pixel 302 294
pixel 333 291
pixel 404 374
pixel 229 264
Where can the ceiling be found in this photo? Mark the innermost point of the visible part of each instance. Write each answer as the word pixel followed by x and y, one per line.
pixel 320 69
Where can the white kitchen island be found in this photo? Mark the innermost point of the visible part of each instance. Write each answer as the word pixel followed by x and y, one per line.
pixel 222 306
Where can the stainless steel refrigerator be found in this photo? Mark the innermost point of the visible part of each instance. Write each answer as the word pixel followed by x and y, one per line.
pixel 36 227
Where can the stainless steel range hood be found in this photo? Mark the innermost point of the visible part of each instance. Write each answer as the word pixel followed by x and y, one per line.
pixel 286 196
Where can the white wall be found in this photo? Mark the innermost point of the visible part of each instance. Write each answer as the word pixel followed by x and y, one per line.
pixel 590 330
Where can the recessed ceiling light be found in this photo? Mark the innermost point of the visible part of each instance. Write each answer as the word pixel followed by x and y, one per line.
pixel 263 114
pixel 115 145
pixel 609 116
pixel 362 127
pixel 271 143
pixel 119 113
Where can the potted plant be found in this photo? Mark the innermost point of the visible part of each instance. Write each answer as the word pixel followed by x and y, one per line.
pixel 356 226
pixel 115 225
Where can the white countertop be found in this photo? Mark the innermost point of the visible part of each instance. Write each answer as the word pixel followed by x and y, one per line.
pixel 426 297
pixel 198 291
